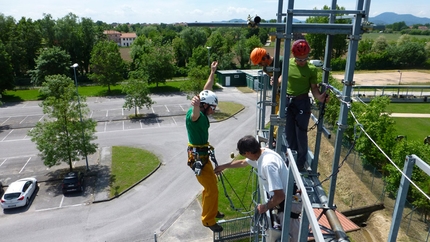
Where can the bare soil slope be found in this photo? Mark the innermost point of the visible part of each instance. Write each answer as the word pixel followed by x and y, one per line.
pixel 348 183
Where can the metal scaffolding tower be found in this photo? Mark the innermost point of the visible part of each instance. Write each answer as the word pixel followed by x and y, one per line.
pixel 313 195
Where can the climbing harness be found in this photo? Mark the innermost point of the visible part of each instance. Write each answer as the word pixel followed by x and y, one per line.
pixel 198 157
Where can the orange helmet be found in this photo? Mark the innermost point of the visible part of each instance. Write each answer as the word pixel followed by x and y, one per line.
pixel 300 47
pixel 257 54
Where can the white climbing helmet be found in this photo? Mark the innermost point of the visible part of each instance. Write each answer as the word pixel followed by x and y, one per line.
pixel 208 97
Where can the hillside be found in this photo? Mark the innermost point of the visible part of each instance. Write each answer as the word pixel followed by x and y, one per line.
pixel 390 18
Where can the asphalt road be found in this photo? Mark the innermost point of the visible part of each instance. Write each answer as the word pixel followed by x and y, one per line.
pixel 150 207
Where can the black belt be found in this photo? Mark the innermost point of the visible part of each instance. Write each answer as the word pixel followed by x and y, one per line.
pixel 298 97
pixel 295 215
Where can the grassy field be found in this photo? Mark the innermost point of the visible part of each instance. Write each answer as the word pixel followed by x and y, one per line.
pixel 390 37
pixel 409 108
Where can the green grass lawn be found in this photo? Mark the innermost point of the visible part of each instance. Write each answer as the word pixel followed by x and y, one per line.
pixel 413 128
pixel 129 166
pixel 409 108
pixel 390 37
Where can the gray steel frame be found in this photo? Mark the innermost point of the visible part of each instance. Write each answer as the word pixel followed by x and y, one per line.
pixel 285 31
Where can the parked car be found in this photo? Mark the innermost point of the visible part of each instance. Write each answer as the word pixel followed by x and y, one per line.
pixel 19 193
pixel 73 181
pixel 317 63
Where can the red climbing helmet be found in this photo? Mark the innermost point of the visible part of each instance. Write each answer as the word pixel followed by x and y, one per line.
pixel 300 47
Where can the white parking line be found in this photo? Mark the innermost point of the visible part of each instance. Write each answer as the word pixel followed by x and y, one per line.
pixel 123 125
pixel 41 118
pixel 167 109
pixel 5 121
pixel 24 165
pixel 3 162
pixel 174 121
pixel 181 107
pixel 152 110
pixel 107 113
pixel 7 135
pixel 23 119
pixel 62 200
pixel 105 126
pixel 48 209
pixel 140 121
pixel 27 133
pixel 91 115
pixel 156 119
pixel 122 111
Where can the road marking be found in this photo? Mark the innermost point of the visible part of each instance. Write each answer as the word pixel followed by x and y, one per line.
pixel 7 135
pixel 23 119
pixel 62 200
pixel 107 113
pixel 3 162
pixel 167 109
pixel 24 165
pixel 123 125
pixel 181 107
pixel 5 121
pixel 174 121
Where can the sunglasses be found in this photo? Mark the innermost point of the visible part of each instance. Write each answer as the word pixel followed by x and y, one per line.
pixel 302 60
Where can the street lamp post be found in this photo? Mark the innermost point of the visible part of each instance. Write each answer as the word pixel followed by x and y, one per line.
pixel 400 80
pixel 80 114
pixel 209 56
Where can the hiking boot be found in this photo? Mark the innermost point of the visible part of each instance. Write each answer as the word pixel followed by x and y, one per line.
pixel 302 168
pixel 219 215
pixel 215 228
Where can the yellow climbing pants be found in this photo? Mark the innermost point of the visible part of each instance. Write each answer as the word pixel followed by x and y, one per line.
pixel 208 180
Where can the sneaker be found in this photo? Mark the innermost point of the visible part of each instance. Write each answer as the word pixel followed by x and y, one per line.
pixel 215 228
pixel 220 215
pixel 302 168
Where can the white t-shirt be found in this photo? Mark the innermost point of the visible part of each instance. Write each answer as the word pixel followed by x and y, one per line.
pixel 272 171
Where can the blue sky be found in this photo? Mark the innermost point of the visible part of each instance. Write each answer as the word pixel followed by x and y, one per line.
pixel 171 11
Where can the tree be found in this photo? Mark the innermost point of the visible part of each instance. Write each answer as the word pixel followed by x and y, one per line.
pixel 318 41
pixel 154 59
pixel 6 75
pixel 51 61
pixel 197 77
pixel 63 137
pixel 107 66
pixel 380 126
pixel 137 94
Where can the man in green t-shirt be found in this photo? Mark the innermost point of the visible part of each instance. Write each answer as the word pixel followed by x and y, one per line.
pixel 302 77
pixel 197 124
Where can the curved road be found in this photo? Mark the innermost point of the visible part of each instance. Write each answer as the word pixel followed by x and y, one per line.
pixel 150 207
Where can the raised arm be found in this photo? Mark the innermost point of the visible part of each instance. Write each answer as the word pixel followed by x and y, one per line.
pixel 209 84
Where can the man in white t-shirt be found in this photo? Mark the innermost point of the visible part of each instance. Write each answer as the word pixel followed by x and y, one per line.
pixel 272 173
pixel 272 170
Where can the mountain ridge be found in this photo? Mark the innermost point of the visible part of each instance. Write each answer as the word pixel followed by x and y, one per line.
pixel 381 19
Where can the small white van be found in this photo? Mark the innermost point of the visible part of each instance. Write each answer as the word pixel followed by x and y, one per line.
pixel 317 63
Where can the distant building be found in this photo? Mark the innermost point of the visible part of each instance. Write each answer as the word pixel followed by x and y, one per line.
pixel 127 39
pixel 121 39
pixel 114 36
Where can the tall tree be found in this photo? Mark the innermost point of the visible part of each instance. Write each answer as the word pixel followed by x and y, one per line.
pixel 137 94
pixel 107 66
pixel 6 74
pixel 51 61
pixel 318 41
pixel 154 59
pixel 63 137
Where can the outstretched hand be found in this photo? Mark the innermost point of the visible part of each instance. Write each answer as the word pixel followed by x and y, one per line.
pixel 214 65
pixel 195 101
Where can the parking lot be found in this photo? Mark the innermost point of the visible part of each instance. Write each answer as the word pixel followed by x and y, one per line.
pixel 49 195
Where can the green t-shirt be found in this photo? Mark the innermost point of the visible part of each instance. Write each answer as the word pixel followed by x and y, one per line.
pixel 198 131
pixel 300 78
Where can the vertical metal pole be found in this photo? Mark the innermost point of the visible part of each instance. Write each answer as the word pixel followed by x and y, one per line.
pixel 209 56
pixel 80 115
pixel 401 198
pixel 346 99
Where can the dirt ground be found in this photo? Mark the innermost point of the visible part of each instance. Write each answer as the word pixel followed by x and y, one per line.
pixel 389 78
pixel 348 183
